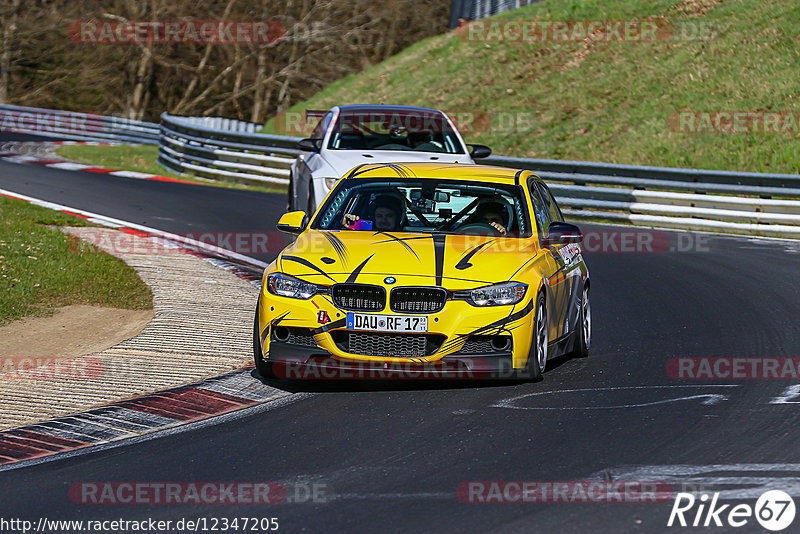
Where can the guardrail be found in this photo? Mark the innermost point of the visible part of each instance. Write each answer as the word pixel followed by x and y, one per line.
pixel 76 126
pixel 690 199
pixel 225 149
pixel 738 202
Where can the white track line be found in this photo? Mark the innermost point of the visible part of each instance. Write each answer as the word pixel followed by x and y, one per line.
pixel 179 428
pixel 116 223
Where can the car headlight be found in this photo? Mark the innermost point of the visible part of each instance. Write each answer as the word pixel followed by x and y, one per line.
pixel 284 285
pixel 330 182
pixel 498 294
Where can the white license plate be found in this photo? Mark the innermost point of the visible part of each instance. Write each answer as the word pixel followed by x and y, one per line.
pixel 386 323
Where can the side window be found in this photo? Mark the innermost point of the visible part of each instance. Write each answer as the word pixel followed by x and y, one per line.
pixel 552 207
pixel 322 125
pixel 540 211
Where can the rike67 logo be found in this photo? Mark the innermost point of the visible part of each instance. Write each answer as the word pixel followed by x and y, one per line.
pixel 774 510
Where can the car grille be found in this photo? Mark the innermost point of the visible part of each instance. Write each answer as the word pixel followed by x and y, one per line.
pixel 417 299
pixel 388 345
pixel 359 297
pixel 298 336
pixel 480 345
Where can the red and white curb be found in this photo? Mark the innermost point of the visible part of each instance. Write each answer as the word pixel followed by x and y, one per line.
pixel 134 419
pixel 137 417
pixel 72 166
pixel 243 266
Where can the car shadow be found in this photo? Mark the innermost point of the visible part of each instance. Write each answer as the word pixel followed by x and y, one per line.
pixel 323 385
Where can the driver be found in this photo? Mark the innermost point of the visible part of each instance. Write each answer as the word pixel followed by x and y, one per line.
pixel 490 213
pixel 386 212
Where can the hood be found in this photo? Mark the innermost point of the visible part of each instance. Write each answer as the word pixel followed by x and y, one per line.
pixel 453 261
pixel 341 161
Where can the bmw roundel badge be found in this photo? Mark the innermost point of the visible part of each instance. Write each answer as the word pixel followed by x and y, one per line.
pixel 389 280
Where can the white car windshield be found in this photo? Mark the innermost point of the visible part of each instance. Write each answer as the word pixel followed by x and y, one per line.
pixel 395 129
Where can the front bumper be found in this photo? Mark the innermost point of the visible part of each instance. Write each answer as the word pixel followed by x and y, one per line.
pixel 450 330
pixel 292 362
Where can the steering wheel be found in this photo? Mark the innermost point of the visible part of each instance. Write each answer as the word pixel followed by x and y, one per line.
pixel 479 228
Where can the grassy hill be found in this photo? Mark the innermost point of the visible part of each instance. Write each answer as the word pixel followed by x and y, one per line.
pixel 610 101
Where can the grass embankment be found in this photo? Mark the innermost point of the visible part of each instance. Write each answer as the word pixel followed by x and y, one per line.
pixel 144 158
pixel 609 101
pixel 41 268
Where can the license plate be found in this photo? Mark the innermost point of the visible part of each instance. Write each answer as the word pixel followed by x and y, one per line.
pixel 386 323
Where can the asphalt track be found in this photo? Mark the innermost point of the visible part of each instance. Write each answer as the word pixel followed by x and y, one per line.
pixel 390 456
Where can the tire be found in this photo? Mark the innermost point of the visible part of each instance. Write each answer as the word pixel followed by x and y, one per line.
pixel 264 368
pixel 537 356
pixel 312 204
pixel 584 327
pixel 290 195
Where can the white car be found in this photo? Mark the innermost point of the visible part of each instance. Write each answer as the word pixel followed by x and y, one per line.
pixel 347 136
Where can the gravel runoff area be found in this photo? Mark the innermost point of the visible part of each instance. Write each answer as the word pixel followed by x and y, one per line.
pixel 202 326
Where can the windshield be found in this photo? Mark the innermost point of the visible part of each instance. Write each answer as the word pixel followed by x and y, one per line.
pixel 418 130
pixel 426 206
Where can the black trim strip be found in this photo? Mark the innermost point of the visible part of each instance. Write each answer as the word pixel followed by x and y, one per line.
pixel 338 323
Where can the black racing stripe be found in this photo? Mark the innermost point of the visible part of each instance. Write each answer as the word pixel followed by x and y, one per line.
pixel 355 172
pixel 500 323
pixel 357 271
pixel 401 170
pixel 277 320
pixel 303 261
pixel 393 238
pixel 335 324
pixel 338 246
pixel 269 327
pixel 438 253
pixel 264 335
pixel 464 263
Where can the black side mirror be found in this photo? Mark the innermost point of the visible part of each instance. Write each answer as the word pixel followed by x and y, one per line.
pixel 308 145
pixel 479 151
pixel 561 233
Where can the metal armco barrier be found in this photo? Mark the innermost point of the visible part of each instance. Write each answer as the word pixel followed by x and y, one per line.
pixel 225 149
pixel 736 202
pixel 480 9
pixel 690 199
pixel 76 126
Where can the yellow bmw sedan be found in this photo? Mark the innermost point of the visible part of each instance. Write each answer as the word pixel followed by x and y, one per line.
pixel 425 270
